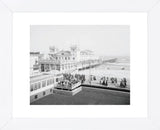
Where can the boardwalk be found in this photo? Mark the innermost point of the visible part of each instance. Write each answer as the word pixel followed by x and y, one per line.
pixel 110 70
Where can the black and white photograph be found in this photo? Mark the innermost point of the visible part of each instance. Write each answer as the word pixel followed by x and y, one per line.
pixel 79 65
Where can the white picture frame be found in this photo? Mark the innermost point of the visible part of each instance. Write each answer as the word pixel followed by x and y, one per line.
pixel 7 8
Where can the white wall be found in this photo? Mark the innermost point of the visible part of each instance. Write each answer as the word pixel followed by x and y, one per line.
pixel 154 64
pixel 5 64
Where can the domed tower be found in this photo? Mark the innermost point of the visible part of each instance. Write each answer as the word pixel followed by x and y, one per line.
pixel 75 51
pixel 53 49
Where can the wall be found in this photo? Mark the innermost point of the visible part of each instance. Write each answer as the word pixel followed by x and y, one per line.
pixel 5 64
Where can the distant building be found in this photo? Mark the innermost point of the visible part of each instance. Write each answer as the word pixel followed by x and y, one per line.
pixel 67 60
pixel 61 61
pixel 86 55
pixel 53 49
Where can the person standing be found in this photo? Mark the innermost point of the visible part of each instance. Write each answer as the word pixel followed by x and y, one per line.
pixel 106 82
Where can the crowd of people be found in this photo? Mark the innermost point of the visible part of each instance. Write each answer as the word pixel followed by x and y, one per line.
pixel 69 80
pixel 75 77
pixel 106 80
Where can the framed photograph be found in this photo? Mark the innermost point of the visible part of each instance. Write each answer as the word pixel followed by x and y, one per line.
pixel 71 72
pixel 74 68
pixel 83 63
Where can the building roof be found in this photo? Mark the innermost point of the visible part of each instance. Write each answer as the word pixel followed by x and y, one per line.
pixel 38 78
pixel 34 53
pixel 49 61
pixel 41 77
pixel 88 96
pixel 63 53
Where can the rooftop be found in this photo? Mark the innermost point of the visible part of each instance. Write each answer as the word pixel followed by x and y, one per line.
pixel 63 53
pixel 34 53
pixel 40 77
pixel 88 96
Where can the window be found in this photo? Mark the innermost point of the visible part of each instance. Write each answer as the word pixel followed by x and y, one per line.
pixel 50 90
pixel 53 80
pixel 56 79
pixel 31 89
pixel 47 82
pixel 50 81
pixel 44 84
pixel 35 87
pixel 36 96
pixel 44 93
pixel 39 85
pixel 65 58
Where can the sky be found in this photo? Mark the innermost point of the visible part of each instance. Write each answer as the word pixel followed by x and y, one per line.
pixel 104 40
